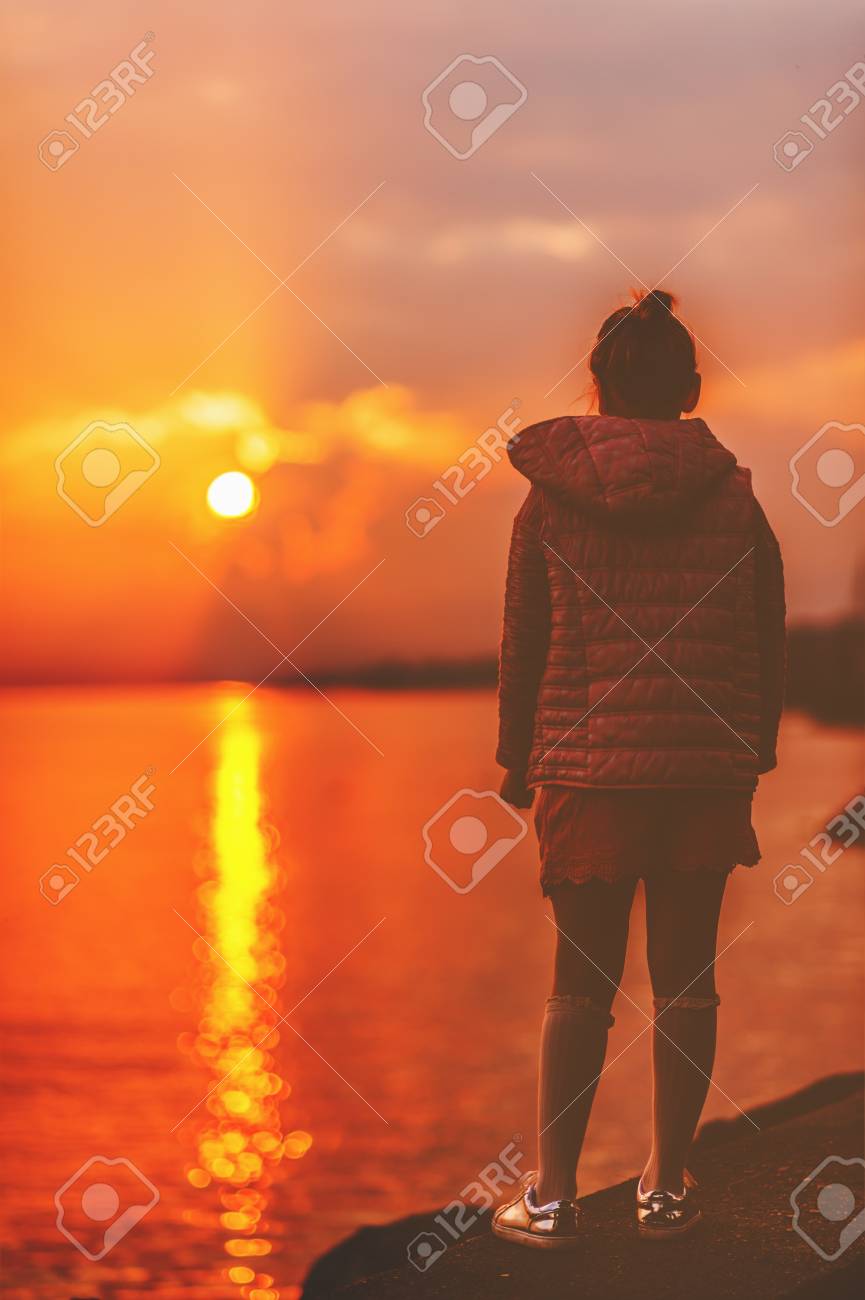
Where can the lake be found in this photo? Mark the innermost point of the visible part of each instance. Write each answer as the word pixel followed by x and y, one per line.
pixel 212 864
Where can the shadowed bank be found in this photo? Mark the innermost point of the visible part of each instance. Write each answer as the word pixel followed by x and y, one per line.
pixel 748 1248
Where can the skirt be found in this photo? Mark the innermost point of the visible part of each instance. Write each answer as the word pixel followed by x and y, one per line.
pixel 611 834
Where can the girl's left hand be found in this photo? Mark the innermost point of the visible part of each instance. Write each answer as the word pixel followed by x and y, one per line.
pixel 515 791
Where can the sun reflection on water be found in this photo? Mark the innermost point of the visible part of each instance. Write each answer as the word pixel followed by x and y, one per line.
pixel 241 1143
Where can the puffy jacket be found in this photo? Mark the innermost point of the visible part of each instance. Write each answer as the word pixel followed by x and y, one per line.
pixel 643 641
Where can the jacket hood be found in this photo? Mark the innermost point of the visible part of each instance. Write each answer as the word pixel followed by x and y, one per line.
pixel 622 469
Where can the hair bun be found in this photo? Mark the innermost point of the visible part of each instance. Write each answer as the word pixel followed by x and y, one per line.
pixel 645 357
pixel 653 302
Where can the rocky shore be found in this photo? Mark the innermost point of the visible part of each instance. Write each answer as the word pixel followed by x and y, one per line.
pixel 748 1246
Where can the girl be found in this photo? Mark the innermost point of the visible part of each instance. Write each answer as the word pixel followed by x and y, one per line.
pixel 641 683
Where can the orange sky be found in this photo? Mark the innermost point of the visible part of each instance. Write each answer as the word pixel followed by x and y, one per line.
pixel 425 294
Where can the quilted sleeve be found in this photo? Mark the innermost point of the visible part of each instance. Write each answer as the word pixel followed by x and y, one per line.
pixel 771 612
pixel 525 635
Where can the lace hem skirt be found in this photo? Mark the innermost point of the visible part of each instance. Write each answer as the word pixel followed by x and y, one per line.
pixel 594 834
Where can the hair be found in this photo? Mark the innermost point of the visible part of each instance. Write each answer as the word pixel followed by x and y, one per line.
pixel 645 357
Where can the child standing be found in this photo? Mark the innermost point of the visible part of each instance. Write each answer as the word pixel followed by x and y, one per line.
pixel 641 684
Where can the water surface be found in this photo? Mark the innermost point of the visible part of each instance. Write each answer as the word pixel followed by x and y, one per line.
pixel 280 874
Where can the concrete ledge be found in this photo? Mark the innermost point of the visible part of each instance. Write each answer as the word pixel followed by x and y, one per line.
pixel 747 1246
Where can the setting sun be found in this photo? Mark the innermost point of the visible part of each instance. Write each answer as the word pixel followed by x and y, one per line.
pixel 232 495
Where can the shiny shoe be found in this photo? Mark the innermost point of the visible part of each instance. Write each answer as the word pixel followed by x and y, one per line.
pixel 664 1214
pixel 547 1227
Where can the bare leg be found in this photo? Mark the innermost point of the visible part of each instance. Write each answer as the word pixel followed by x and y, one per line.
pixel 682 911
pixel 592 924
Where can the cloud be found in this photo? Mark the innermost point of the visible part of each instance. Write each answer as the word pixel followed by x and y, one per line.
pixel 334 478
pixel 457 243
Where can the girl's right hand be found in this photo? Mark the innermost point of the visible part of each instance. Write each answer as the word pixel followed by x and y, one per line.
pixel 515 791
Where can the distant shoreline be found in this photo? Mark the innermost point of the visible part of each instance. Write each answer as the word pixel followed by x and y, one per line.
pixel 826 674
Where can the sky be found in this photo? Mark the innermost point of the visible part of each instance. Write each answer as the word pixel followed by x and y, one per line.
pixel 257 255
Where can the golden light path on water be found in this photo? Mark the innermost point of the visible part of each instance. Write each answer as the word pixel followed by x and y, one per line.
pixel 241 1144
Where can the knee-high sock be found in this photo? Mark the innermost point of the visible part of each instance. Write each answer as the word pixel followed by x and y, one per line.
pixel 573 1045
pixel 683 1053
